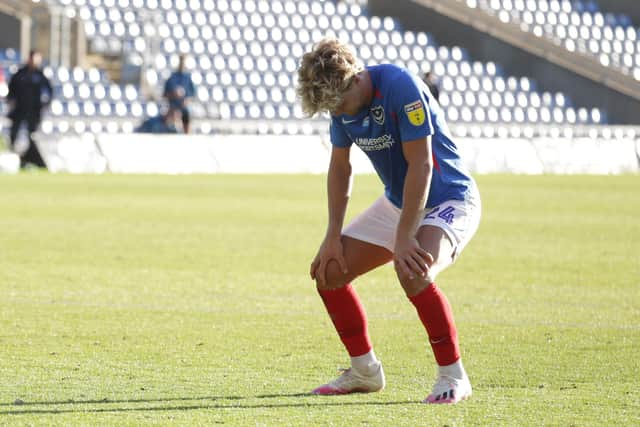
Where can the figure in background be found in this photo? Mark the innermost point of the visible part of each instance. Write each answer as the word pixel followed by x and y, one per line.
pixel 432 83
pixel 29 94
pixel 178 89
pixel 162 123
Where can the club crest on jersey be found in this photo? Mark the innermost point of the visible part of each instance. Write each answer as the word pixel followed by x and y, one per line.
pixel 378 114
pixel 415 113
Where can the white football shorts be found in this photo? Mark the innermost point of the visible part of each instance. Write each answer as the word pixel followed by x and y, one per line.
pixel 377 225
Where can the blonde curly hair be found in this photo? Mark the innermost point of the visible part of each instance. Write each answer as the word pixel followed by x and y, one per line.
pixel 324 75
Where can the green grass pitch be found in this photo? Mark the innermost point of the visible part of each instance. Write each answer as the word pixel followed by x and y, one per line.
pixel 185 300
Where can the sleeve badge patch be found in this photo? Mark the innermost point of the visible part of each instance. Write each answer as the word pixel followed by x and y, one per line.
pixel 415 113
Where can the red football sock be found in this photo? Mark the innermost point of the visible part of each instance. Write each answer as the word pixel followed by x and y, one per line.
pixel 436 315
pixel 349 318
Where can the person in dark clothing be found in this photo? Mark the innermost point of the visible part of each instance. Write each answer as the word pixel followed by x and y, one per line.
pixel 29 94
pixel 430 80
pixel 163 123
pixel 177 89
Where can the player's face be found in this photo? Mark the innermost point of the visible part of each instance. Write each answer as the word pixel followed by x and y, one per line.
pixel 352 98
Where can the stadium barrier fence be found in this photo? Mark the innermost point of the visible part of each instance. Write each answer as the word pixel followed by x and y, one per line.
pixel 231 153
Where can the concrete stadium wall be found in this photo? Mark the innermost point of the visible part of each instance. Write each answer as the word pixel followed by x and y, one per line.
pixel 621 109
pixel 256 154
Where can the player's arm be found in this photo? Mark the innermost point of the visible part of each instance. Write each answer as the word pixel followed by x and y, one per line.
pixel 48 89
pixel 409 257
pixel 338 189
pixel 339 179
pixel 190 89
pixel 168 91
pixel 13 87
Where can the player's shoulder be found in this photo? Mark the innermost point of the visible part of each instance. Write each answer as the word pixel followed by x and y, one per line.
pixel 334 122
pixel 21 71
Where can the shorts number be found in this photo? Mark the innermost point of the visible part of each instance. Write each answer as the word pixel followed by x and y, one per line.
pixel 446 214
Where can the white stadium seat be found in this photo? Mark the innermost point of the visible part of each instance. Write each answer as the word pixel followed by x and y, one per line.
pixel 244 56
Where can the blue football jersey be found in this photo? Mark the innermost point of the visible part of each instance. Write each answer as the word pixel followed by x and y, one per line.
pixel 403 109
pixel 177 80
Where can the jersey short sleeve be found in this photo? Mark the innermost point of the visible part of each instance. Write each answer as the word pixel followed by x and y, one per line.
pixel 411 106
pixel 339 137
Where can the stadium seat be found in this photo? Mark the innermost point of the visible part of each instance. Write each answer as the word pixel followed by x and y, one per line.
pixel 246 53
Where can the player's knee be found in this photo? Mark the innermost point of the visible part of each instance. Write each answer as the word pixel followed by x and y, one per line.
pixel 335 278
pixel 430 277
pixel 417 284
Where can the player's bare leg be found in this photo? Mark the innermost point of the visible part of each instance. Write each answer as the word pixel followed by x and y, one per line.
pixel 348 316
pixel 452 384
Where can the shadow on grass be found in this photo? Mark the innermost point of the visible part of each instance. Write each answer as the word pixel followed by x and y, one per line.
pixel 319 401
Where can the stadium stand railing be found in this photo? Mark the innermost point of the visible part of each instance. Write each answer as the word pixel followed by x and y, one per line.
pixel 578 26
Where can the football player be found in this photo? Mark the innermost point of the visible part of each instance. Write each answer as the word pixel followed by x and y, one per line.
pixel 428 212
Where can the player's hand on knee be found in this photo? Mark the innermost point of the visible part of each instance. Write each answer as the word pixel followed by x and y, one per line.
pixel 331 249
pixel 410 259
